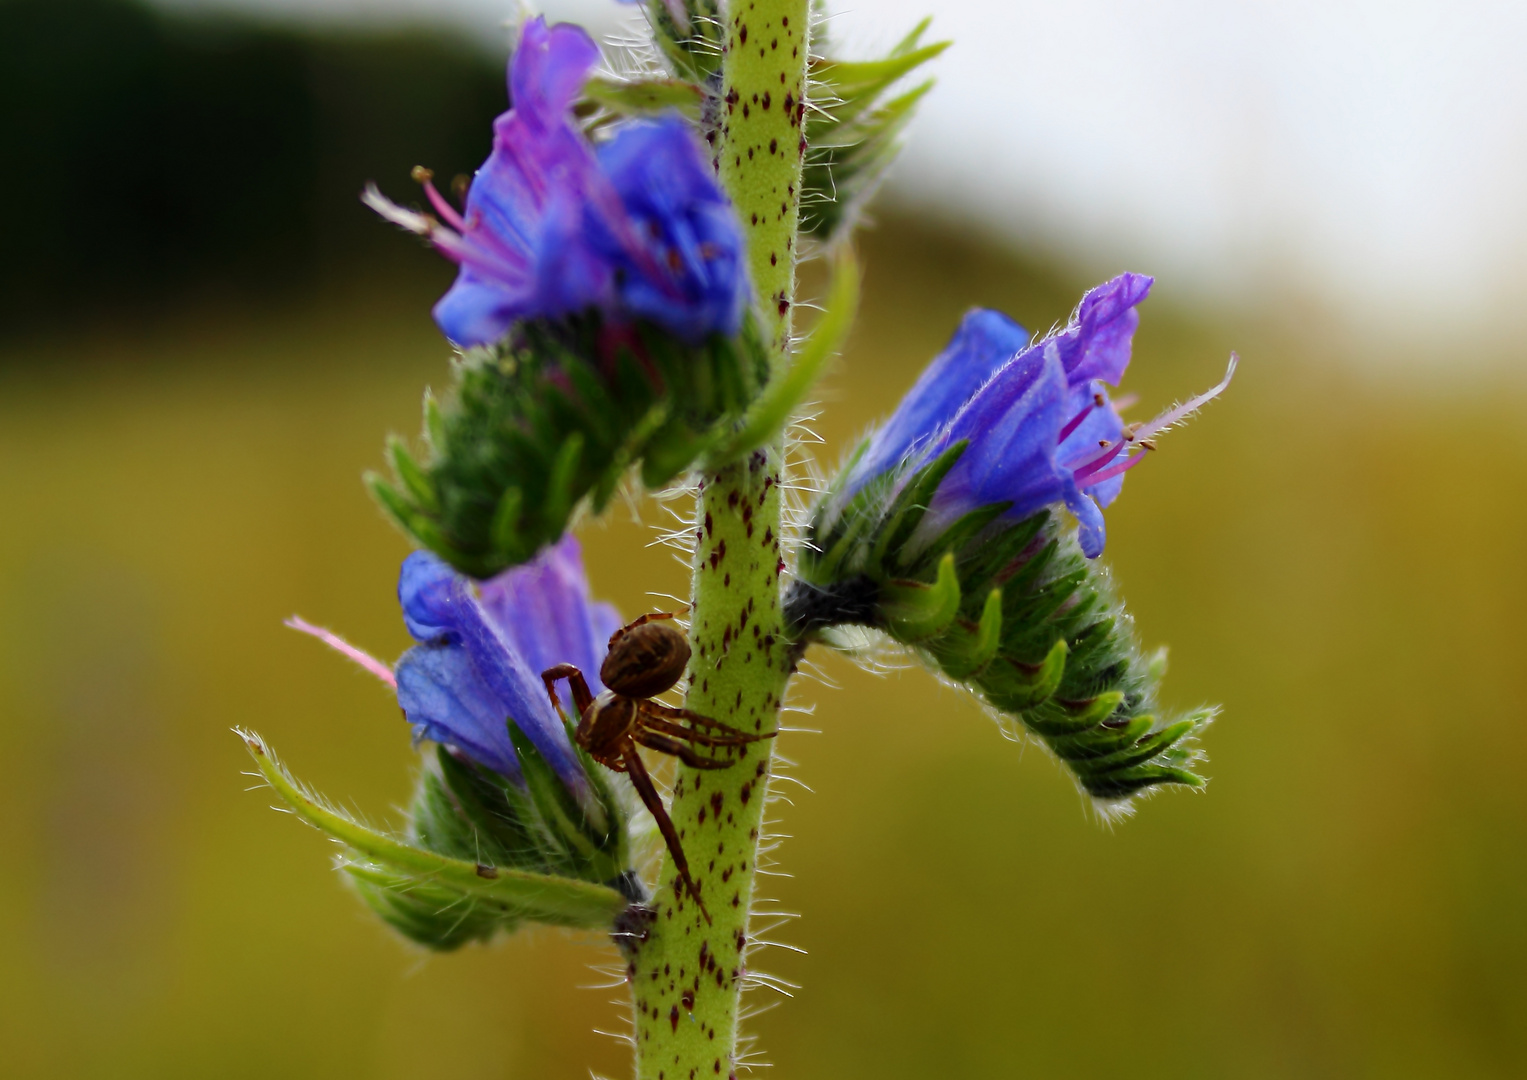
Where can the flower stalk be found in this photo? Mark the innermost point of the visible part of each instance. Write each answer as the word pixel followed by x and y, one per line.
pixel 687 966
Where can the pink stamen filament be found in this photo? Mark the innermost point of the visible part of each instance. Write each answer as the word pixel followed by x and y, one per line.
pixel 1076 421
pixel 1109 473
pixel 339 644
pixel 443 208
pixel 1091 472
pixel 1097 461
pixel 461 250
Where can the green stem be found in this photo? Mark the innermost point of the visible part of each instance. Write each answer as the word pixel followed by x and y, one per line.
pixel 687 970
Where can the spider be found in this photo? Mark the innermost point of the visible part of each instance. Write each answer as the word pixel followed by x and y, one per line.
pixel 645 658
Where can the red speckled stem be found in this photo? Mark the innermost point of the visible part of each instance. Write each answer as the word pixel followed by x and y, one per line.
pixel 686 972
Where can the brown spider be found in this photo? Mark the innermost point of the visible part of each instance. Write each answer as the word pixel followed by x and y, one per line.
pixel 645 658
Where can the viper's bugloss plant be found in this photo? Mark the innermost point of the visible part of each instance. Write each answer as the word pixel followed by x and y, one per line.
pixel 624 316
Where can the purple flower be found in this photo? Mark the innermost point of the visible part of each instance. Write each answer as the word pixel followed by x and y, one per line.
pixel 1037 421
pixel 637 228
pixel 481 653
pixel 478 663
pixel 984 342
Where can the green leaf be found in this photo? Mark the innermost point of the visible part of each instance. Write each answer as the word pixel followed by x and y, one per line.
pixel 517 893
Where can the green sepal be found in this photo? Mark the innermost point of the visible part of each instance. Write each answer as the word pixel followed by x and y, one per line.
pixel 469 812
pixel 1016 687
pixel 955 537
pixel 429 914
pixel 914 611
pixel 414 479
pixel 906 512
pixel 1057 718
pixel 551 420
pixel 1134 752
pixel 439 900
pixel 1065 664
pixel 966 648
pixel 404 513
pixel 585 829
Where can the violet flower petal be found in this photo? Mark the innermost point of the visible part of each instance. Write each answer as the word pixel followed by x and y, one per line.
pixel 640 229
pixel 544 611
pixel 686 270
pixel 468 679
pixel 985 341
pixel 1010 425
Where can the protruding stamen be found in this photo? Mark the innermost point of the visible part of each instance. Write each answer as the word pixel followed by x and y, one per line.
pixel 1181 412
pixel 424 177
pixel 402 217
pixel 339 644
pixel 1097 461
pixel 1114 470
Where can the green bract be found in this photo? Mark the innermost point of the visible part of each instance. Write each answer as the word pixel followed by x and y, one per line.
pixel 481 855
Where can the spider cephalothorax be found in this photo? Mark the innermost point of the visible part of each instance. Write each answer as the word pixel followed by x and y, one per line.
pixel 645 658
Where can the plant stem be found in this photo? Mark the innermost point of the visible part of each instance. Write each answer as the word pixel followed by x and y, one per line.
pixel 687 970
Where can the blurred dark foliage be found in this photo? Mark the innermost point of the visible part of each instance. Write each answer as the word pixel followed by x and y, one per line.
pixel 154 158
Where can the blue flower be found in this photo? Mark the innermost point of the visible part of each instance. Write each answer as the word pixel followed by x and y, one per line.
pixel 984 342
pixel 1036 419
pixel 636 229
pixel 481 652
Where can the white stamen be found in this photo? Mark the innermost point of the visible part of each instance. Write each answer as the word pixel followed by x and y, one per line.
pixel 339 644
pixel 411 220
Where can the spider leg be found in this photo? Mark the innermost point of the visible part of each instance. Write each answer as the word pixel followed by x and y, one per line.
pixel 665 744
pixel 652 712
pixel 582 699
pixel 640 620
pixel 654 804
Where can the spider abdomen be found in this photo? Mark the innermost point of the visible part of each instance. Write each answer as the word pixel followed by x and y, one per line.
pixel 645 660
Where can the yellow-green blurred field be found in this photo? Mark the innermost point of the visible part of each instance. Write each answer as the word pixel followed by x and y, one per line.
pixel 1332 553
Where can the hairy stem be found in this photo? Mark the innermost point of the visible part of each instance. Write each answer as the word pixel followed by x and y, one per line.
pixel 687 966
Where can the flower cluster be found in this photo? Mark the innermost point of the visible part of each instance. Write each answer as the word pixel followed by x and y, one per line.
pixel 635 229
pixel 1035 420
pixel 508 787
pixel 943 531
pixel 604 295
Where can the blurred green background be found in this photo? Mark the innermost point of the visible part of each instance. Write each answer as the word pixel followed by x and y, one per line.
pixel 203 344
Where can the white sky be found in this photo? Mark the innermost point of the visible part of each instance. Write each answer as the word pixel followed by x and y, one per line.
pixel 1371 154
